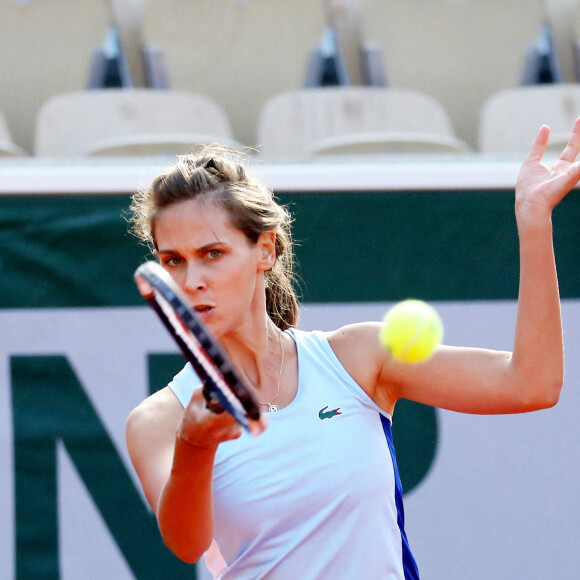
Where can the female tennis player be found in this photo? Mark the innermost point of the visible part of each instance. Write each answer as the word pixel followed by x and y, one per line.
pixel 317 495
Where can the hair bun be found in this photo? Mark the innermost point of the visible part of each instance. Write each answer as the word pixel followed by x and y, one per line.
pixel 223 164
pixel 210 164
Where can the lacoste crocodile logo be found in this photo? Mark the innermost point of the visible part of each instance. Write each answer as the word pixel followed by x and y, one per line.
pixel 324 414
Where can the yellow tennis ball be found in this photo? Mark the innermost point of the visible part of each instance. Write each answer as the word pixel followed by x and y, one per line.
pixel 411 331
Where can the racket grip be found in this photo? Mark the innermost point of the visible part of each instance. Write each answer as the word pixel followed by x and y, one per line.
pixel 211 402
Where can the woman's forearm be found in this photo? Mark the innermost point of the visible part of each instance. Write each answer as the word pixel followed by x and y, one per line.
pixel 538 357
pixel 185 508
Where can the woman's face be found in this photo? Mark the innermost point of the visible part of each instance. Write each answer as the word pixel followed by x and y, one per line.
pixel 213 262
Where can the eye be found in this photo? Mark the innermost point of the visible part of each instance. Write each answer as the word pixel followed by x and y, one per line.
pixel 172 261
pixel 214 254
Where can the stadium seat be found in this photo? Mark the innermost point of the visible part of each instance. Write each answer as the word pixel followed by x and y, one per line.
pixel 238 53
pixel 574 37
pixel 355 120
pixel 129 122
pixel 562 18
pixel 344 19
pixel 47 47
pixel 128 15
pixel 7 146
pixel 510 119
pixel 460 52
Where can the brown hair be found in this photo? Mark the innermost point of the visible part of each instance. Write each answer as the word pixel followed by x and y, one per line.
pixel 217 174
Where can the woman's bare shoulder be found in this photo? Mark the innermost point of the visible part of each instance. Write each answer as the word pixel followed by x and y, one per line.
pixel 358 348
pixel 358 332
pixel 159 409
pixel 359 340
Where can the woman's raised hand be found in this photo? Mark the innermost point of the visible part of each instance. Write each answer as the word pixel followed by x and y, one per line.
pixel 541 188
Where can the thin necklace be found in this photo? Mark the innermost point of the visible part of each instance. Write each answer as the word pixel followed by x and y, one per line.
pixel 271 407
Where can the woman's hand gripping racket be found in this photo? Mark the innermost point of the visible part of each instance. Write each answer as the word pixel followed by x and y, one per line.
pixel 222 387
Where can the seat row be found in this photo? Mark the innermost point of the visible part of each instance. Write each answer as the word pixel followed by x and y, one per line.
pixel 293 125
pixel 241 53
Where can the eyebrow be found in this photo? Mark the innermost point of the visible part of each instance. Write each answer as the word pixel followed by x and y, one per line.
pixel 203 248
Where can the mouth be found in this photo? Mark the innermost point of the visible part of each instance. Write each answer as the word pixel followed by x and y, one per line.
pixel 204 310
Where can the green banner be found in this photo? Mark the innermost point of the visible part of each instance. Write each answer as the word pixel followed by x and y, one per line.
pixel 74 251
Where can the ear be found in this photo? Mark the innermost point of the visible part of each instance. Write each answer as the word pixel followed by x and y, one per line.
pixel 267 250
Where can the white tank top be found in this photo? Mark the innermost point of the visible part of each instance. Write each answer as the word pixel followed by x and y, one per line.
pixel 318 495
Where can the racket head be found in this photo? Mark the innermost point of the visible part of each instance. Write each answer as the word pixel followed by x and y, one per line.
pixel 222 384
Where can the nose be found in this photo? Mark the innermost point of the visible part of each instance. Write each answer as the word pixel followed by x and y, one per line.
pixel 194 280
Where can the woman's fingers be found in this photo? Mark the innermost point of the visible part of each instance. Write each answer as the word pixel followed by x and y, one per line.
pixel 539 147
pixel 571 150
pixel 202 427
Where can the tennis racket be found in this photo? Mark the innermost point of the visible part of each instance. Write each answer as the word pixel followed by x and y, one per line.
pixel 222 387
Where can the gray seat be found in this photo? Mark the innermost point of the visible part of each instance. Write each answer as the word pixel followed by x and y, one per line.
pixel 355 120
pixel 129 122
pixel 460 52
pixel 510 119
pixel 47 48
pixel 238 53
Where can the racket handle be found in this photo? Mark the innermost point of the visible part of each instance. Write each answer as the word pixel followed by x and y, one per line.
pixel 211 402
